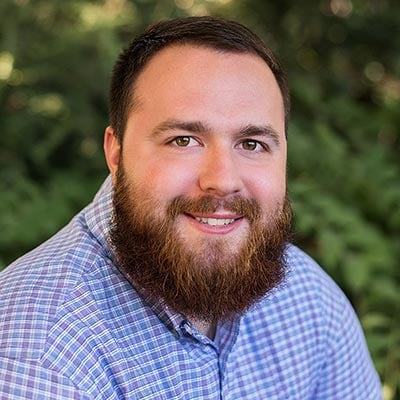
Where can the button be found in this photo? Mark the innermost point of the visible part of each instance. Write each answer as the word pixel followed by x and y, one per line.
pixel 186 327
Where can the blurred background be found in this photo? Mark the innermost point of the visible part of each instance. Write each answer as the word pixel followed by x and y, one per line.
pixel 343 62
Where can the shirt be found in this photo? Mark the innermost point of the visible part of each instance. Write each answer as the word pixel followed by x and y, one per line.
pixel 72 327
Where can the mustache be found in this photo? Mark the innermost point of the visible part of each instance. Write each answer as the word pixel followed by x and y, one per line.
pixel 247 208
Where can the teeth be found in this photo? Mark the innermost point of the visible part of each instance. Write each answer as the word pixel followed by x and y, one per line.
pixel 215 221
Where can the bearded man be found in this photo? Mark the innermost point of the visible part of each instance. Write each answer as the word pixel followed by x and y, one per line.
pixel 179 280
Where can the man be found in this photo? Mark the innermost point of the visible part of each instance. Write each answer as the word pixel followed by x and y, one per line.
pixel 178 281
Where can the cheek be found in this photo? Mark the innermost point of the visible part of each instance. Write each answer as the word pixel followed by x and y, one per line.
pixel 165 180
pixel 268 188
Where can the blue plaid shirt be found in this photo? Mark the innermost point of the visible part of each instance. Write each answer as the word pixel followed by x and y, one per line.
pixel 71 327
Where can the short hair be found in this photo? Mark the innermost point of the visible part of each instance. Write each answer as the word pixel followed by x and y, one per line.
pixel 206 31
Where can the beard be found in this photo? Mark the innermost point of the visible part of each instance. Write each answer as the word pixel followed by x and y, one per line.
pixel 210 280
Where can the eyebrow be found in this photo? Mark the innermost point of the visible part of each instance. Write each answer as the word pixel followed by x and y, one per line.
pixel 199 127
pixel 174 124
pixel 260 130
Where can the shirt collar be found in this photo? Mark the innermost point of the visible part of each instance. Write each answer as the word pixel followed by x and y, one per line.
pixel 98 216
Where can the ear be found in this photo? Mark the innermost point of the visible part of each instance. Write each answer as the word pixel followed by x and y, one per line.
pixel 112 151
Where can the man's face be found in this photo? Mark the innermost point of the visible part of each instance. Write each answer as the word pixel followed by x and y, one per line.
pixel 208 130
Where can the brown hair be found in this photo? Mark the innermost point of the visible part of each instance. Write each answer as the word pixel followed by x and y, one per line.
pixel 213 32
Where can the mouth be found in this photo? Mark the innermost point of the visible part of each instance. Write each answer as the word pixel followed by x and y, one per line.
pixel 215 224
pixel 215 221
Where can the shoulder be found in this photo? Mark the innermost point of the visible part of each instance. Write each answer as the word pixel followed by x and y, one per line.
pixel 314 293
pixel 307 282
pixel 305 315
pixel 309 329
pixel 308 299
pixel 34 287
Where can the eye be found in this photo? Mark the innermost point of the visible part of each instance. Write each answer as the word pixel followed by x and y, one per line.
pixel 183 141
pixel 253 145
pixel 250 145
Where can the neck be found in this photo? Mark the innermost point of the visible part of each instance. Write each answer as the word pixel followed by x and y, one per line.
pixel 208 329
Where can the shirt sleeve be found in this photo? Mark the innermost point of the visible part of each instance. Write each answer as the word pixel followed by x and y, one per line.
pixel 21 380
pixel 348 372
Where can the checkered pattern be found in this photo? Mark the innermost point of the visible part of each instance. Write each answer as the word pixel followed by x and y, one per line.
pixel 71 327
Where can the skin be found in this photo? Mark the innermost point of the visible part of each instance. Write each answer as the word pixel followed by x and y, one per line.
pixel 207 123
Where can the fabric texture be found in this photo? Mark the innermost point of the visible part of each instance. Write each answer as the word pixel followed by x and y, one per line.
pixel 72 327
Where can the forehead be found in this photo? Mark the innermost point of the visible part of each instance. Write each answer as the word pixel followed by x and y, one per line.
pixel 202 83
pixel 190 63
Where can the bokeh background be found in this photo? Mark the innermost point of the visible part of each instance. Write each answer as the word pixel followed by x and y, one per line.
pixel 343 61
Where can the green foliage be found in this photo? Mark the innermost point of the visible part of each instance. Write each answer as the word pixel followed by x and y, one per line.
pixel 343 62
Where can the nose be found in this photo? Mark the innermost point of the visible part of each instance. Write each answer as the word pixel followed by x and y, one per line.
pixel 219 174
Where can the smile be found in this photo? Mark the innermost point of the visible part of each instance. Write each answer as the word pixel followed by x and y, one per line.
pixel 215 221
pixel 215 224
